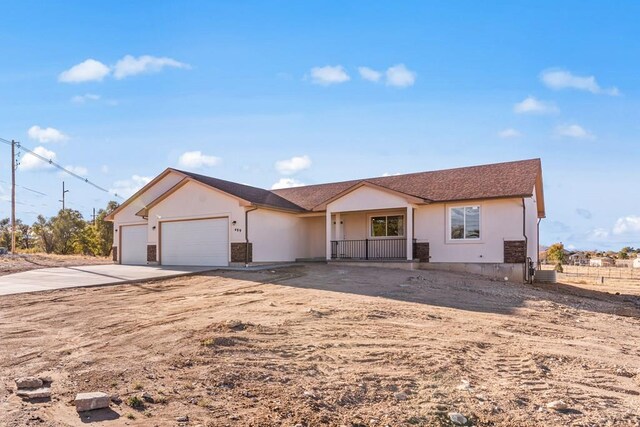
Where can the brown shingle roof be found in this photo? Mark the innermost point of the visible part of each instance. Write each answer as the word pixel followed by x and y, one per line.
pixel 499 180
pixel 255 195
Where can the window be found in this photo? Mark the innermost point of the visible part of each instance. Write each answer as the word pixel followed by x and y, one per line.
pixel 465 222
pixel 387 226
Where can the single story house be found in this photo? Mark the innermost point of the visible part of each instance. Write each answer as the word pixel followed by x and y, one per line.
pixel 636 263
pixel 482 219
pixel 602 262
pixel 579 258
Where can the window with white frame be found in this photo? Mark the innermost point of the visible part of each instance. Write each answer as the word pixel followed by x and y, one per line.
pixel 387 226
pixel 464 222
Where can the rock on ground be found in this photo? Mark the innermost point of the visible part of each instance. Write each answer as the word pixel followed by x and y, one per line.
pixel 557 405
pixel 34 393
pixel 28 382
pixel 457 418
pixel 91 401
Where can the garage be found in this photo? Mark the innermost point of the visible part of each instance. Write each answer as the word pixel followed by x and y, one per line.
pixel 202 242
pixel 133 244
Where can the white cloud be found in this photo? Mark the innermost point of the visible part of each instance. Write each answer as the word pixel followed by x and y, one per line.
pixel 531 105
pixel 87 71
pixel 627 224
pixel 369 74
pixel 104 169
pixel 44 135
pixel 81 99
pixel 293 165
pixel 400 76
pixel 573 131
pixel 92 70
pixel 329 75
pixel 131 66
pixel 197 160
pixel 127 187
pixel 509 133
pixel 31 162
pixel 598 234
pixel 391 173
pixel 287 183
pixel 561 79
pixel 78 170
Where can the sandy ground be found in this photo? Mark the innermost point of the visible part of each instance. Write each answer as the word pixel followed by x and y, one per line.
pixel 22 262
pixel 327 345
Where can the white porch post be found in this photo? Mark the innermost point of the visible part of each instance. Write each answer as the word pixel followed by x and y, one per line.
pixel 409 232
pixel 328 234
pixel 338 227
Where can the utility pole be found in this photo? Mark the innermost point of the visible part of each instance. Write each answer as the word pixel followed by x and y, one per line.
pixel 63 193
pixel 94 217
pixel 13 197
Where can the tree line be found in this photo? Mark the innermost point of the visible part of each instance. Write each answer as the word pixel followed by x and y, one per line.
pixel 557 253
pixel 66 233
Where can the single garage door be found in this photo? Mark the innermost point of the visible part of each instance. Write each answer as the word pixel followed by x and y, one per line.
pixel 133 244
pixel 202 242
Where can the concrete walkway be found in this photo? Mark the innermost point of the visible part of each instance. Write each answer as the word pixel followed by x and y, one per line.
pixel 89 275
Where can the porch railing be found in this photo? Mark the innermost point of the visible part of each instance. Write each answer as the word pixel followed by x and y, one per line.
pixel 370 249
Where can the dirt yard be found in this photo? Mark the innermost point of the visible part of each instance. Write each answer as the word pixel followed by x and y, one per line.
pixel 327 345
pixel 22 262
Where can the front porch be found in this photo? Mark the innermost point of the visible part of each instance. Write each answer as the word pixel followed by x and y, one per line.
pixel 370 223
pixel 370 235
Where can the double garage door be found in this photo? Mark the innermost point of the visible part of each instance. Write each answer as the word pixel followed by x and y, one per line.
pixel 203 242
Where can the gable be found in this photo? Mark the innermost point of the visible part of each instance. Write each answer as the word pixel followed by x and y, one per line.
pixel 367 197
pixel 194 198
pixel 127 211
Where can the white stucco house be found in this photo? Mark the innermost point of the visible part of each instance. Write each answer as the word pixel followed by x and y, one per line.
pixel 482 219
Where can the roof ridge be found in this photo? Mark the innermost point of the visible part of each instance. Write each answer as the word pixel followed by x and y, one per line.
pixel 205 179
pixel 357 180
pixel 219 179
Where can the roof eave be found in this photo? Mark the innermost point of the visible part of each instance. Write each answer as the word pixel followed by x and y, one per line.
pixel 410 198
pixel 111 217
pixel 277 208
pixel 477 199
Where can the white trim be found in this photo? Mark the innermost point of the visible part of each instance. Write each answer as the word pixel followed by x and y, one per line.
pixel 119 224
pixel 386 215
pixel 161 218
pixel 463 240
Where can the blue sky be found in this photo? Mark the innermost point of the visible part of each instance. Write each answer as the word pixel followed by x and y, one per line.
pixel 276 92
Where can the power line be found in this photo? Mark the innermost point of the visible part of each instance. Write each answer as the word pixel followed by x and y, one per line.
pixel 26 188
pixel 62 168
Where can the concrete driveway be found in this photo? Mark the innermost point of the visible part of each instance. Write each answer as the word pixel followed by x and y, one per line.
pixel 89 275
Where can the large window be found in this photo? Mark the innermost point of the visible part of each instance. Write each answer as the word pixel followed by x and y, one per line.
pixel 387 226
pixel 465 223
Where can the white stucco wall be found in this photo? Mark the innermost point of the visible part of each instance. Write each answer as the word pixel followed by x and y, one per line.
pixel 367 198
pixel 193 201
pixel 500 220
pixel 312 234
pixel 276 236
pixel 128 214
